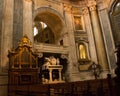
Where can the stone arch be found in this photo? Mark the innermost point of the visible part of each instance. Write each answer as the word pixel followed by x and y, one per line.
pixel 53 19
pixel 114 26
pixel 112 5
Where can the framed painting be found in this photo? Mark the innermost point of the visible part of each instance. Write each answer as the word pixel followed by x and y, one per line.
pixel 78 22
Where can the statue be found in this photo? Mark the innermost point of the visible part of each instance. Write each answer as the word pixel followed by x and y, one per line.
pixel 58 61
pixel 53 60
pixel 50 61
pixel 47 63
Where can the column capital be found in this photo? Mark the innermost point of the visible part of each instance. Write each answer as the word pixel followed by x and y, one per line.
pixel 85 10
pixel 92 5
pixel 67 8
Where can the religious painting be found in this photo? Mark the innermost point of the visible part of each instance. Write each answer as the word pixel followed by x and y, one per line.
pixel 78 23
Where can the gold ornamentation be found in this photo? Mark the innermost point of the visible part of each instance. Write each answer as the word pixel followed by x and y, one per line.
pixel 67 7
pixel 92 8
pixel 92 5
pixel 85 10
pixel 22 56
pixel 25 42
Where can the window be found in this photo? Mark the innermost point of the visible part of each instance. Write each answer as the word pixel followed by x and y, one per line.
pixel 35 31
pixel 82 51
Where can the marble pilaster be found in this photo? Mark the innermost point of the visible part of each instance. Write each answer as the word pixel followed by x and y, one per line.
pixel 17 22
pixel 73 65
pixel 27 19
pixel 107 32
pixel 7 30
pixel 6 42
pixel 1 14
pixel 88 28
pixel 101 52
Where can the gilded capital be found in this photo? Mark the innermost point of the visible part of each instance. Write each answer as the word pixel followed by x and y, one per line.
pixel 85 10
pixel 92 5
pixel 92 8
pixel 67 8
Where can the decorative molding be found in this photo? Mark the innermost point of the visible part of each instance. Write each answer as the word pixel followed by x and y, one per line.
pixel 25 42
pixel 92 8
pixel 64 56
pixel 76 10
pixel 81 39
pixel 40 55
pixel 67 8
pixel 85 10
pixel 92 5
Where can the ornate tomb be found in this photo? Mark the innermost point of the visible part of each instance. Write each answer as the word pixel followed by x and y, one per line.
pixel 51 71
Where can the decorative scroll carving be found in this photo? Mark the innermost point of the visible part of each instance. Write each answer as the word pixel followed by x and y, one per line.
pixel 76 10
pixel 92 5
pixel 85 10
pixel 67 8
pixel 22 56
pixel 53 69
pixel 25 42
pixel 23 65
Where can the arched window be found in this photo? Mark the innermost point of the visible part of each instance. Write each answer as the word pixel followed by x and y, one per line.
pixel 82 51
pixel 42 33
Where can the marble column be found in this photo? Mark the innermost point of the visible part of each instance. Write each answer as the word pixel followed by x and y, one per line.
pixel 72 71
pixel 107 32
pixel 7 30
pixel 100 47
pixel 50 75
pixel 60 77
pixel 6 42
pixel 27 19
pixel 86 16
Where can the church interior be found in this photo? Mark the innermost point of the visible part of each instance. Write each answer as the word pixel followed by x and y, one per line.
pixel 59 47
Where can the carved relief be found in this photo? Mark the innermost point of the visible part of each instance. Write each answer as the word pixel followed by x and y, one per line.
pixel 92 5
pixel 76 10
pixel 85 10
pixel 67 8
